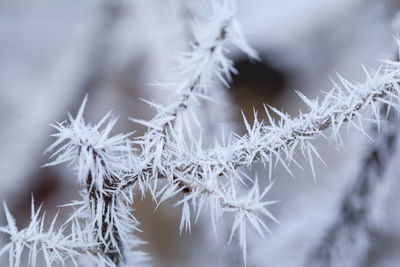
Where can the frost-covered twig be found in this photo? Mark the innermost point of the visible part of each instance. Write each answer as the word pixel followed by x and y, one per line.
pixel 54 244
pixel 110 169
pixel 270 144
pixel 198 70
pixel 278 141
pixel 346 241
pixel 342 104
pixel 101 162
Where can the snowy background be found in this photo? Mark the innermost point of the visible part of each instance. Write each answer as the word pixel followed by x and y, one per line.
pixel 54 52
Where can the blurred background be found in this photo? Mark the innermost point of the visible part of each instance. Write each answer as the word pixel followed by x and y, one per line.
pixel 52 53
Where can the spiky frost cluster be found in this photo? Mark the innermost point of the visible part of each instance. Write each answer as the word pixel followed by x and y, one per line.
pixel 54 244
pixel 102 223
pixel 171 160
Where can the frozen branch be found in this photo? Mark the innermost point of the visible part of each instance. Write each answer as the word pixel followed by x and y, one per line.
pixel 55 245
pixel 109 168
pixel 198 71
pixel 101 162
pixel 277 142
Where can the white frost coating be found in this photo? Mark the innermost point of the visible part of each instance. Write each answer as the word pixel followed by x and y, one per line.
pixel 209 178
pixel 54 244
